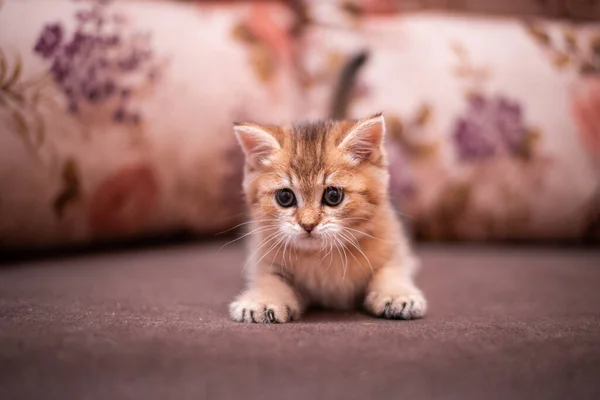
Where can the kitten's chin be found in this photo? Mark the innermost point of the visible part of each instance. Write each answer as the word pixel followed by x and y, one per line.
pixel 307 243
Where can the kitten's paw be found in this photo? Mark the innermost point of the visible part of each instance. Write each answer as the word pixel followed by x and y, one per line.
pixel 258 309
pixel 410 304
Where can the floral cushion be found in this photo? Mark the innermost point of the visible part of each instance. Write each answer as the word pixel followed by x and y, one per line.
pixel 115 117
pixel 494 124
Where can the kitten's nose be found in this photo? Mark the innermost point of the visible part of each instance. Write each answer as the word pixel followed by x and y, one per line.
pixel 308 227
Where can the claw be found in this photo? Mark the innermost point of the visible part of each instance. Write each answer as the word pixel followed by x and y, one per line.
pixel 387 311
pixel 271 316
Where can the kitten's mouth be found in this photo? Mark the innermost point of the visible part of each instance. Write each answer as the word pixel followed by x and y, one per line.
pixel 309 237
pixel 308 242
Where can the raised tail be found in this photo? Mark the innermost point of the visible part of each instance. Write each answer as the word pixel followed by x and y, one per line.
pixel 345 84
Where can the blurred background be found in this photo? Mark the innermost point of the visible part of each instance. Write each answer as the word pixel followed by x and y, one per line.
pixel 116 116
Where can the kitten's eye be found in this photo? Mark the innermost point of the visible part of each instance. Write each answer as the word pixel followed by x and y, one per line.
pixel 285 197
pixel 333 196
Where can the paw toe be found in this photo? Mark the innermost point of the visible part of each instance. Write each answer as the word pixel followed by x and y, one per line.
pixel 408 308
pixel 403 307
pixel 279 314
pixel 258 313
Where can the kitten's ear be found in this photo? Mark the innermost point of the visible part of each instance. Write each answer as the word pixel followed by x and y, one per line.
pixel 258 144
pixel 364 139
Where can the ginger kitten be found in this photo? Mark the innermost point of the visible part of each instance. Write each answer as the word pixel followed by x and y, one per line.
pixel 323 230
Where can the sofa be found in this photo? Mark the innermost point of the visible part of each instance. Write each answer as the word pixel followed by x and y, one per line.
pixel 116 115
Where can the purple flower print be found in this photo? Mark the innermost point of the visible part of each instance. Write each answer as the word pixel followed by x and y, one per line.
pixel 133 60
pixel 49 40
pixel 60 70
pixel 490 127
pixel 81 45
pixel 100 61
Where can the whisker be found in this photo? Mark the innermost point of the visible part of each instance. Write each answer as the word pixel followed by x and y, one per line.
pixel 285 245
pixel 404 214
pixel 365 233
pixel 324 246
pixel 254 231
pixel 337 247
pixel 290 252
pixel 275 245
pixel 246 223
pixel 344 249
pixel 263 243
pixel 329 253
pixel 343 257
pixel 296 253
pixel 352 218
pixel 275 256
pixel 357 247
pixel 350 251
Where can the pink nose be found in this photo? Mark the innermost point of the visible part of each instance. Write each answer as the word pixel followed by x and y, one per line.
pixel 308 227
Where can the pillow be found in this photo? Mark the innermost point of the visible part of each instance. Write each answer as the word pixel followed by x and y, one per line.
pixel 493 124
pixel 116 117
pixel 490 124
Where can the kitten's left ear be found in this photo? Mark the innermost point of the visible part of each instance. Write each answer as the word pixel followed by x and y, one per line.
pixel 258 144
pixel 365 138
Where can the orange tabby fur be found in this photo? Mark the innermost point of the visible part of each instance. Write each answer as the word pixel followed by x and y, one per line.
pixel 356 254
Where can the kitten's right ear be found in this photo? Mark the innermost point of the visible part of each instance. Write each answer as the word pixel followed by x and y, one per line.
pixel 364 139
pixel 258 144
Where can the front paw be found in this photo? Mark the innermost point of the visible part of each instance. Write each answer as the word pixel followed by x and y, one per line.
pixel 252 307
pixel 405 304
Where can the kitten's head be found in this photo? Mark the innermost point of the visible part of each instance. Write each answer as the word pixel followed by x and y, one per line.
pixel 313 184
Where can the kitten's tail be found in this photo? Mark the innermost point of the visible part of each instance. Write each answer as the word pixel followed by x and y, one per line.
pixel 345 84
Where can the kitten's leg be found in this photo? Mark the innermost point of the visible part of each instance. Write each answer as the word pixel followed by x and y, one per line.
pixel 270 299
pixel 392 293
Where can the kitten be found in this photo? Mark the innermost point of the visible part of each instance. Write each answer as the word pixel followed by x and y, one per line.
pixel 323 230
